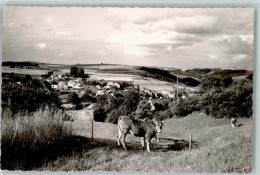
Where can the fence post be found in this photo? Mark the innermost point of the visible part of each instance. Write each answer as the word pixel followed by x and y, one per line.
pixel 92 130
pixel 190 142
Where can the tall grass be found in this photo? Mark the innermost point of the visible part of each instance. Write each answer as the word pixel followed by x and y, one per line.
pixel 30 140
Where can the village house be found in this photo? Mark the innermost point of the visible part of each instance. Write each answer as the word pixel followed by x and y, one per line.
pixel 63 86
pixel 54 85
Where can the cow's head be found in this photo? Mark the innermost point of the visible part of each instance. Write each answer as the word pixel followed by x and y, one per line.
pixel 158 126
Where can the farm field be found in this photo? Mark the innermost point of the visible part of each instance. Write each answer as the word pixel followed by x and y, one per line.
pixel 217 147
pixel 24 71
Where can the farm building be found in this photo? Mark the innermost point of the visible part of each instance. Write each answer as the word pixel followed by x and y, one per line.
pixel 54 85
pixel 62 85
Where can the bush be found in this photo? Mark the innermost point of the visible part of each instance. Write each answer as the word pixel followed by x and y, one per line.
pixel 108 106
pixel 88 98
pixel 99 114
pixel 144 110
pixel 28 140
pixel 188 105
pixel 74 99
pixel 235 101
pixel 27 98
pixel 113 116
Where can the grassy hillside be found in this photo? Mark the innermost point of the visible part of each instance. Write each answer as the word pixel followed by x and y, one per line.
pixel 219 148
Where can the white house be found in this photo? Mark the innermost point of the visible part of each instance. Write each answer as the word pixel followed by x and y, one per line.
pixel 100 92
pixel 62 85
pixel 78 86
pixel 54 85
pixel 72 83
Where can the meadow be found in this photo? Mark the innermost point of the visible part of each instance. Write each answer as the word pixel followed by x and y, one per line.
pixel 216 147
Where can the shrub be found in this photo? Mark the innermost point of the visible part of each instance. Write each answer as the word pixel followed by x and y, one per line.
pixel 108 106
pixel 28 140
pixel 188 105
pixel 88 98
pixel 113 116
pixel 99 114
pixel 27 97
pixel 144 110
pixel 235 101
pixel 74 99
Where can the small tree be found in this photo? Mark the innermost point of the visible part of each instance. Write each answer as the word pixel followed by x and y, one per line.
pixel 73 71
pixel 80 72
pixel 210 82
pixel 74 99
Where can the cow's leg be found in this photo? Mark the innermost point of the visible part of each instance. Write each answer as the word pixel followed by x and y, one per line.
pixel 142 141
pixel 148 144
pixel 157 137
pixel 119 136
pixel 122 139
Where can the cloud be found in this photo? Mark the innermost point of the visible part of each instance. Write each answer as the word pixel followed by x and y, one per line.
pixel 239 57
pixel 61 33
pixel 178 37
pixel 27 26
pixel 196 24
pixel 41 46
pixel 238 45
pixel 192 21
pixel 61 54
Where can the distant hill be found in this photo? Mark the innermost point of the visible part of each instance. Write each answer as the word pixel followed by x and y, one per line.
pixel 24 63
pixel 222 73
pixel 165 75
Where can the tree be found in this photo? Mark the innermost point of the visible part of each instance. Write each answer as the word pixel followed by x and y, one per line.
pixel 27 97
pixel 80 72
pixel 210 82
pixel 73 71
pixel 74 99
pixel 27 78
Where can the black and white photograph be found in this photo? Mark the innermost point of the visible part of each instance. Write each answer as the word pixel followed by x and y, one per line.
pixel 127 89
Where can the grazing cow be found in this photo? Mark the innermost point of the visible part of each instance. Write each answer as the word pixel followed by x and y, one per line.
pixel 144 129
pixel 234 122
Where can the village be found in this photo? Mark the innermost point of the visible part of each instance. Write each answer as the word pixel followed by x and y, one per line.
pixel 66 85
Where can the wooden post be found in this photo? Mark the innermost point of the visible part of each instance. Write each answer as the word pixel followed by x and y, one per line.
pixel 190 142
pixel 177 86
pixel 92 130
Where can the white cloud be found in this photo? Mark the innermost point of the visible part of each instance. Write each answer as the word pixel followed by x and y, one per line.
pixel 61 54
pixel 239 57
pixel 169 48
pixel 136 50
pixel 41 46
pixel 157 36
pixel 61 33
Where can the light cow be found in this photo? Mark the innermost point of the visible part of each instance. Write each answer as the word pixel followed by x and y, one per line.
pixel 144 129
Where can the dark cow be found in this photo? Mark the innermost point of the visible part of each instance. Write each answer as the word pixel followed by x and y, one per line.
pixel 144 129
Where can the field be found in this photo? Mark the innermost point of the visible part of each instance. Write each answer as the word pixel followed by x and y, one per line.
pixel 24 71
pixel 216 147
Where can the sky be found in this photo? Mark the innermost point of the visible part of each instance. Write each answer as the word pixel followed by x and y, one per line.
pixel 165 37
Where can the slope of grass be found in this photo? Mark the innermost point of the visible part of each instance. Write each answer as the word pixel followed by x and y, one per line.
pixel 220 149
